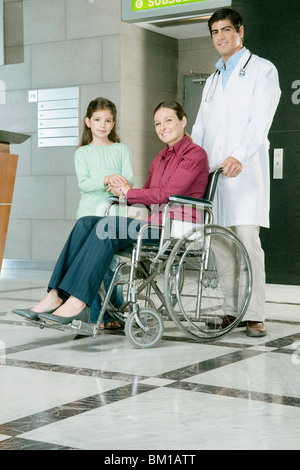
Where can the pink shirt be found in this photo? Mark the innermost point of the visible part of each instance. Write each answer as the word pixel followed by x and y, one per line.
pixel 181 169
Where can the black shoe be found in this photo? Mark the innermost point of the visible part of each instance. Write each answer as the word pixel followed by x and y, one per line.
pixel 84 316
pixel 30 314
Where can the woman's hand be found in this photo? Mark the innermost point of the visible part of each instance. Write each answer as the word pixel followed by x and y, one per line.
pixel 115 181
pixel 116 191
pixel 125 188
pixel 118 185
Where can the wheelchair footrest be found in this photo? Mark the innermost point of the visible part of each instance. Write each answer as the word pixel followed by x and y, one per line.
pixel 78 327
pixel 83 328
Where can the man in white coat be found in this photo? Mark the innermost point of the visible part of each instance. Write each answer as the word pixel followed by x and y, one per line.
pixel 238 105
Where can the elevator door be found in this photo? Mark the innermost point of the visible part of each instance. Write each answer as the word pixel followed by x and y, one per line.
pixel 193 88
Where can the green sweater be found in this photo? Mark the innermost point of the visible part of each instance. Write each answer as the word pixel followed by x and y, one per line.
pixel 93 163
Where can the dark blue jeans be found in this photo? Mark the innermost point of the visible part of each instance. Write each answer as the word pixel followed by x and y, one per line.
pixel 88 253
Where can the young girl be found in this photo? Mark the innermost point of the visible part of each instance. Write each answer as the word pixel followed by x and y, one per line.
pixel 101 160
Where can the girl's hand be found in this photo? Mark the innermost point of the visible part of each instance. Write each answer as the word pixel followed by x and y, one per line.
pixel 116 191
pixel 115 181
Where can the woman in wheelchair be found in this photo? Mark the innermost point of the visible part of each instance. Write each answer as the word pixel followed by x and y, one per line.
pixel 181 167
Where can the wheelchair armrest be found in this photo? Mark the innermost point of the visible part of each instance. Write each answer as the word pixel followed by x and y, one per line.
pixel 116 200
pixel 122 202
pixel 112 201
pixel 190 200
pixel 203 204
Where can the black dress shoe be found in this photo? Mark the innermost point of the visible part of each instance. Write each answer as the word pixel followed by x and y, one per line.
pixel 30 314
pixel 84 316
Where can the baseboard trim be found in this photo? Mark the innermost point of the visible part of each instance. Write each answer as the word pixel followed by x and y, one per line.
pixel 28 264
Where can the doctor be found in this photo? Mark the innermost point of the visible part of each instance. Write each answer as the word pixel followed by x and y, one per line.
pixel 238 105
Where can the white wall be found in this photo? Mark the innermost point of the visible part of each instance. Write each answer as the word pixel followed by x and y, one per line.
pixel 73 43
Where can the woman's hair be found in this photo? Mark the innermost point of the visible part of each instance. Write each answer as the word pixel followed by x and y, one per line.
pixel 99 104
pixel 180 112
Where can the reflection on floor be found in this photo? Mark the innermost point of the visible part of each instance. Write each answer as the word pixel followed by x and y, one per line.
pixel 60 393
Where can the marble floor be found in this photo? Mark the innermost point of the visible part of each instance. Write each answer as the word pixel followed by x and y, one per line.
pixel 62 393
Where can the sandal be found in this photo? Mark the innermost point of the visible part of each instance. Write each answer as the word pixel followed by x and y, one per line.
pixel 112 325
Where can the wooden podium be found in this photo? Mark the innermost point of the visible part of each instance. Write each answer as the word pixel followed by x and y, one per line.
pixel 8 169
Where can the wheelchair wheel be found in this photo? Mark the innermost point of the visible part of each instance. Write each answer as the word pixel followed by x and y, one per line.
pixel 144 329
pixel 217 285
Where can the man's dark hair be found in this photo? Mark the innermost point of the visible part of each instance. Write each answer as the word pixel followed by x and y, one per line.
pixel 226 14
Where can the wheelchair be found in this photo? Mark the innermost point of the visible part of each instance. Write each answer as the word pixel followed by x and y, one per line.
pixel 197 278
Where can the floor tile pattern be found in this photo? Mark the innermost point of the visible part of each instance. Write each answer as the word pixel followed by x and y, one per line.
pixel 59 392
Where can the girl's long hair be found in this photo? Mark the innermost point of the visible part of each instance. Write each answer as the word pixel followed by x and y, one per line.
pixel 99 104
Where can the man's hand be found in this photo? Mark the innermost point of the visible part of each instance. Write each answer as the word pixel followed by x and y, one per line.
pixel 232 167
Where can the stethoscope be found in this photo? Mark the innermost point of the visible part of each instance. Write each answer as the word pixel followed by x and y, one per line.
pixel 213 85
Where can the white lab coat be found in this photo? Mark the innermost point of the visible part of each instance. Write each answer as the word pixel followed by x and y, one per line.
pixel 236 123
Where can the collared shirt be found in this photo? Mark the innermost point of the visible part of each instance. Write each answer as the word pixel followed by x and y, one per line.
pixel 231 63
pixel 181 169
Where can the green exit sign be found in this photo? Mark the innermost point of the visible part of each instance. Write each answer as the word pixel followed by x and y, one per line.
pixel 139 5
pixel 144 11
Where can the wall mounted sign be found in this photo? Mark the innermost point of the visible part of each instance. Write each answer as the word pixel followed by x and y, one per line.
pixel 136 11
pixel 138 5
pixel 58 116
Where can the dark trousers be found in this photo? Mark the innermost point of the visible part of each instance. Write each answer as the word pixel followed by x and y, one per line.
pixel 88 252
